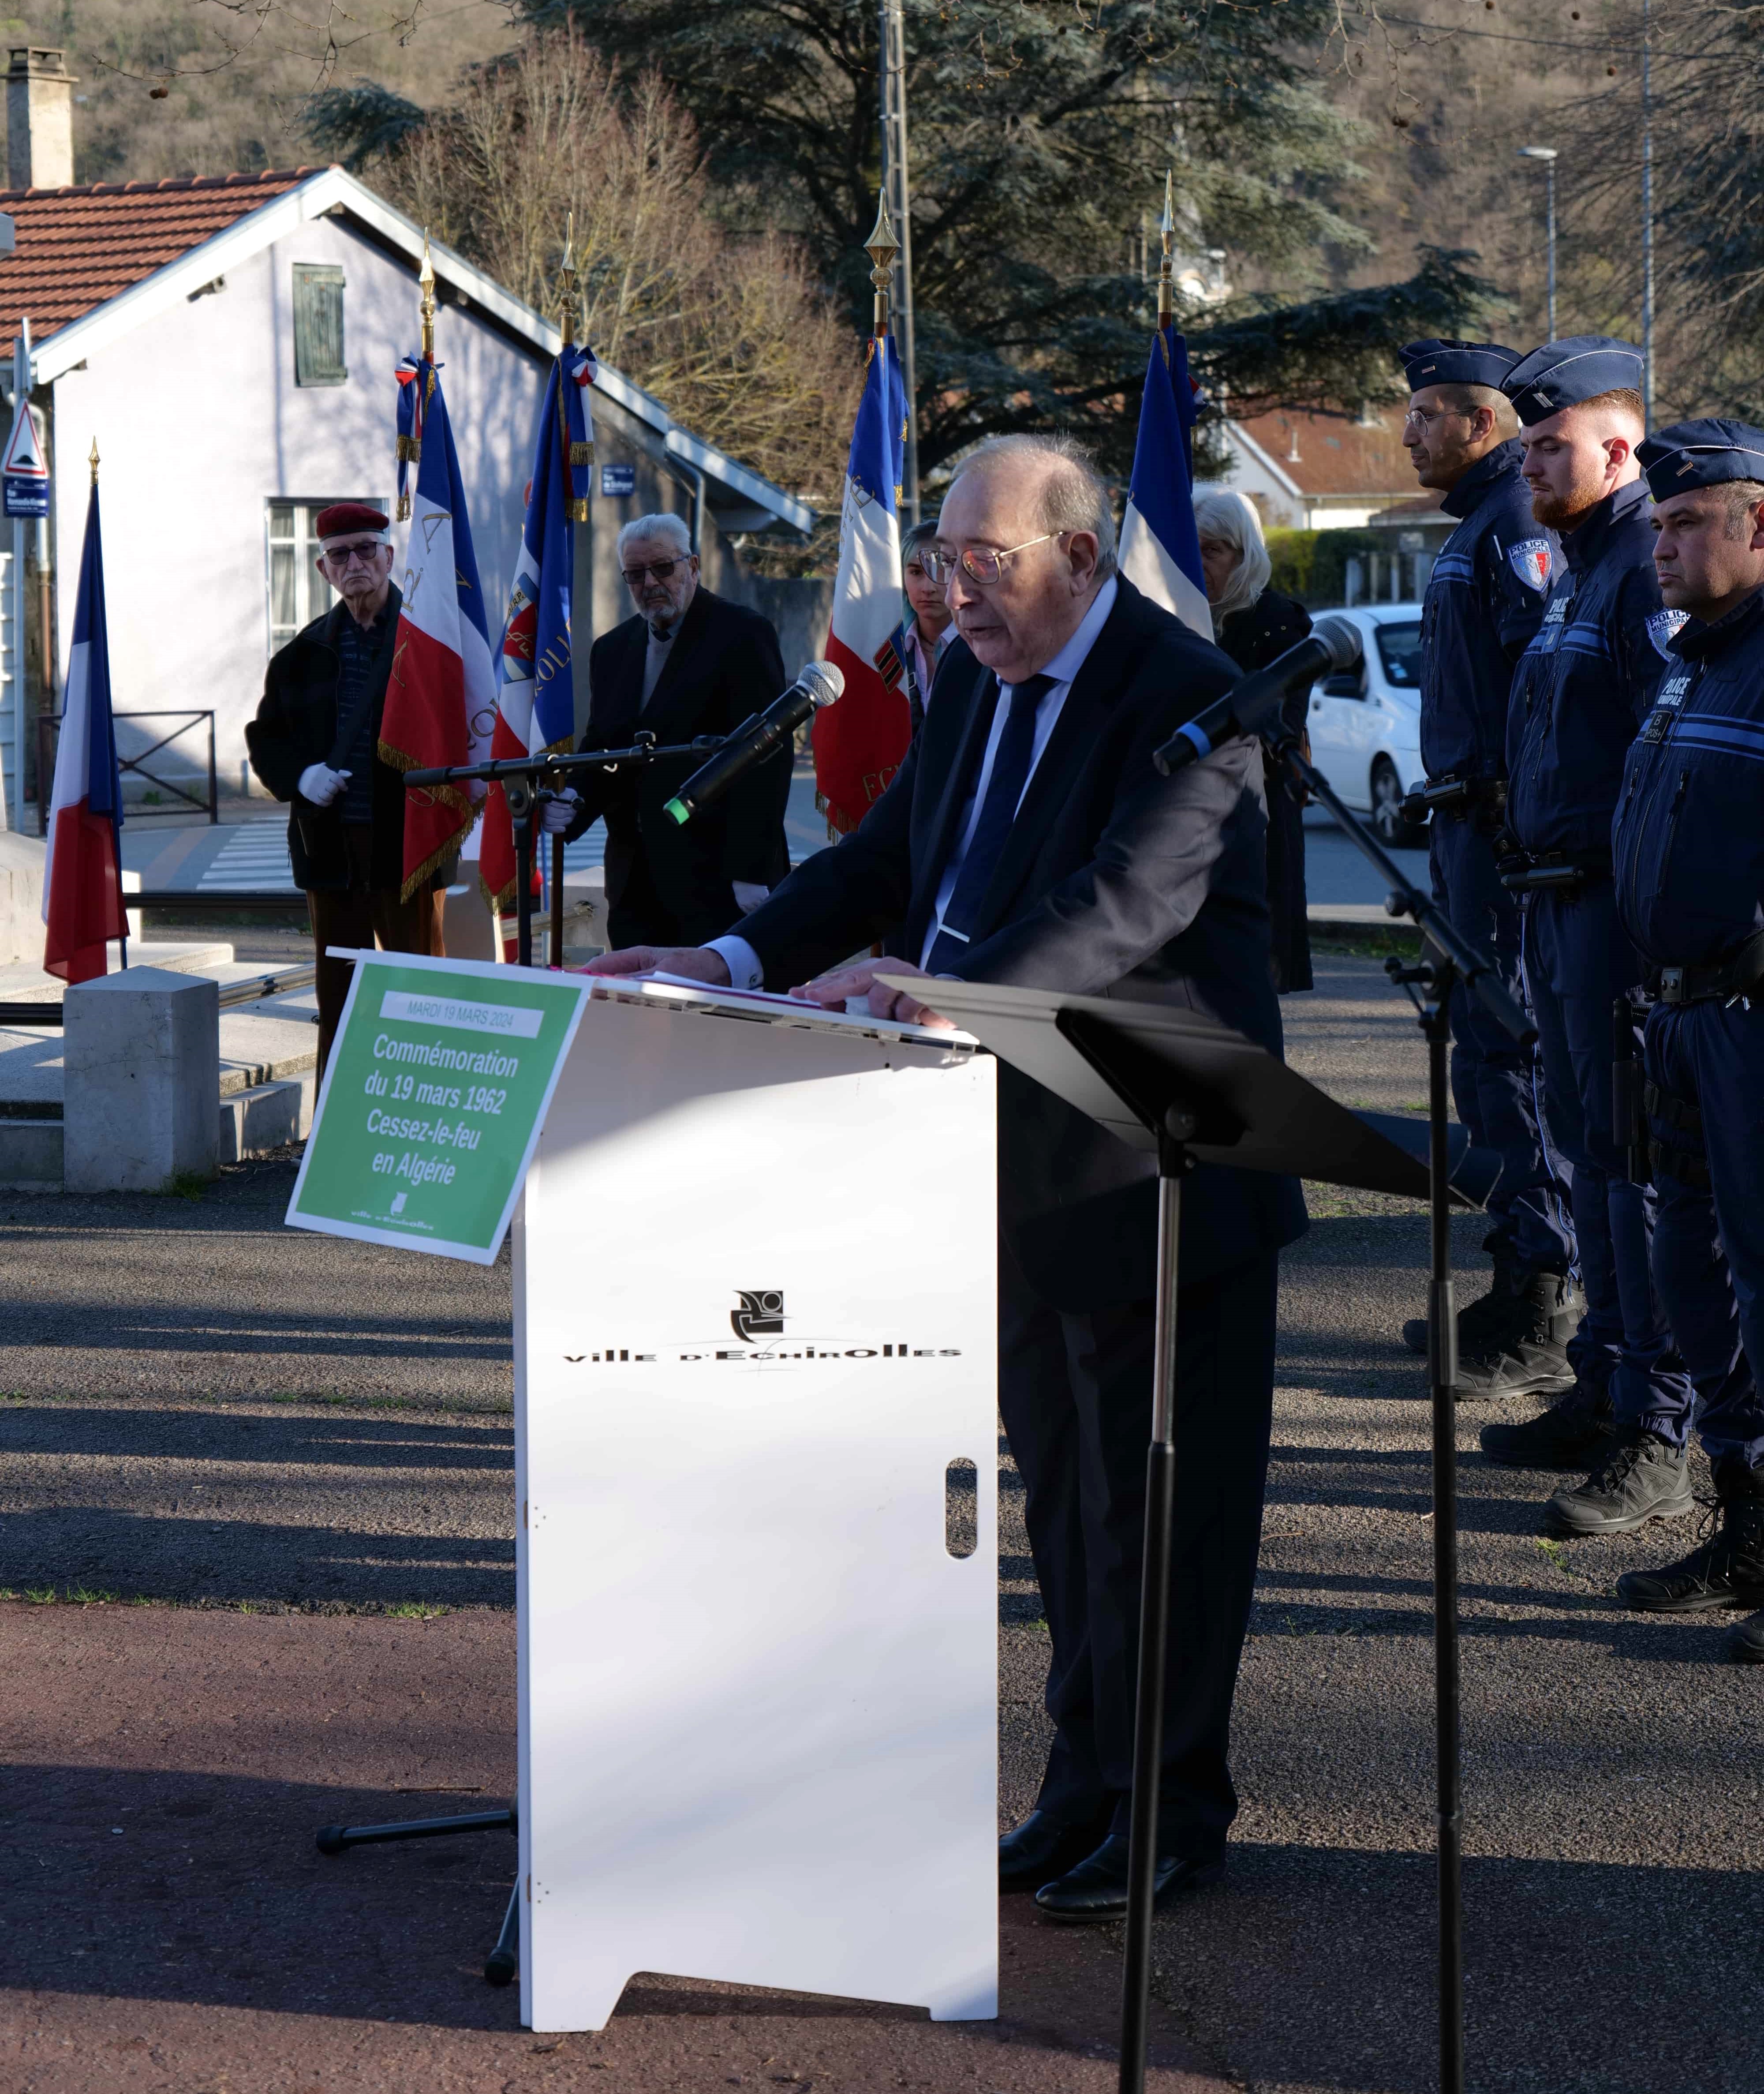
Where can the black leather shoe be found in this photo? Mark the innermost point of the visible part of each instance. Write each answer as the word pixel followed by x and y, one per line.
pixel 1095 1891
pixel 1041 1849
pixel 1745 1644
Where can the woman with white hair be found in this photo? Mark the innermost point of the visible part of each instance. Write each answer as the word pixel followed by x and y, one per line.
pixel 1254 624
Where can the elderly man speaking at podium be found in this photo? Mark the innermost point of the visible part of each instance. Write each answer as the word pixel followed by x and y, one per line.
pixel 1028 839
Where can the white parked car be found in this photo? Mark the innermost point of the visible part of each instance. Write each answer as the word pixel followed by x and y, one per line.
pixel 1365 726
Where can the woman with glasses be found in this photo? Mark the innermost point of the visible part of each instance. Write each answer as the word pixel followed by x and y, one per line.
pixel 1254 624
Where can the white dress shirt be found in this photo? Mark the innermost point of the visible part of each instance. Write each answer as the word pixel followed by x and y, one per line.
pixel 742 962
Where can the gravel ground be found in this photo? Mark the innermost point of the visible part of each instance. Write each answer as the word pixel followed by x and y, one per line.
pixel 201 1408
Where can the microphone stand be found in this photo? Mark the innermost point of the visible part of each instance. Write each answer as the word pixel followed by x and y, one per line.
pixel 1447 961
pixel 528 782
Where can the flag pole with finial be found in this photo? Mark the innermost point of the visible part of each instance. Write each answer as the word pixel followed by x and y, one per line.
pixel 575 505
pixel 425 281
pixel 1166 279
pixel 882 248
pixel 408 449
pixel 94 461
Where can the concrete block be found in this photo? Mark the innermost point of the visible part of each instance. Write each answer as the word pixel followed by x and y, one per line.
pixel 21 899
pixel 30 1155
pixel 142 1074
pixel 264 1117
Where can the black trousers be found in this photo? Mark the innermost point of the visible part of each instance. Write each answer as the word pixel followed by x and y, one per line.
pixel 1075 1391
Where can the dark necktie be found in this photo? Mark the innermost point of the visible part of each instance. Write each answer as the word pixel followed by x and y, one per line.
pixel 985 846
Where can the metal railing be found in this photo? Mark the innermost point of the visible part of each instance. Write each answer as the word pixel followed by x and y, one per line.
pixel 182 800
pixel 255 988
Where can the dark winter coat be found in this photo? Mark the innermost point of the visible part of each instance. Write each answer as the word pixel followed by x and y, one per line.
pixel 1253 638
pixel 297 725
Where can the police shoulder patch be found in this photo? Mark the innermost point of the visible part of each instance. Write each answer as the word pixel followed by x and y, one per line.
pixel 1530 561
pixel 1662 628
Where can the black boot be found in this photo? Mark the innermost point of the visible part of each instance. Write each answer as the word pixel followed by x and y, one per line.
pixel 1507 1277
pixel 1727 1570
pixel 1745 1644
pixel 1572 1434
pixel 1642 1479
pixel 1514 1346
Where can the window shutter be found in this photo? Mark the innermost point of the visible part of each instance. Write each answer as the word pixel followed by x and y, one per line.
pixel 318 324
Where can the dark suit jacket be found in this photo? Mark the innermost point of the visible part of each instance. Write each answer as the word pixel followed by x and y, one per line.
pixel 666 884
pixel 297 725
pixel 1253 638
pixel 1114 882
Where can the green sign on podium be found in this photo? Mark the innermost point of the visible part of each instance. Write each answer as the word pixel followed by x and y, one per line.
pixel 433 1097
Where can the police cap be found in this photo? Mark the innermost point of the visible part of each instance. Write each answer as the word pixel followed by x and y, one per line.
pixel 1562 374
pixel 1700 454
pixel 1444 362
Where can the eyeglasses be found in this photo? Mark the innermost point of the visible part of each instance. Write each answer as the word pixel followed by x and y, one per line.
pixel 978 563
pixel 1426 417
pixel 657 569
pixel 340 556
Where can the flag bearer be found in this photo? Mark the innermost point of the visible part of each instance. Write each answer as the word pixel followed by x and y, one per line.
pixel 315 744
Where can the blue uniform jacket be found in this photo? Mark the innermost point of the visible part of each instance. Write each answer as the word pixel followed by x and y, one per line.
pixel 1689 838
pixel 1585 683
pixel 1484 604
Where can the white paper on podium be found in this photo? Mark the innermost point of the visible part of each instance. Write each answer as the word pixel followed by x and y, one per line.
pixel 754 1318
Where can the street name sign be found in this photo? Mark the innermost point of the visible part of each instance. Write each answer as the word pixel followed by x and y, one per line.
pixel 25 471
pixel 434 1095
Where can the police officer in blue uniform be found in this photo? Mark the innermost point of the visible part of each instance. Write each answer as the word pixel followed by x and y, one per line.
pixel 1688 847
pixel 1484 605
pixel 1581 690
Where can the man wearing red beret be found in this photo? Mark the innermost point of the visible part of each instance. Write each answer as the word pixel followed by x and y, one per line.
pixel 315 744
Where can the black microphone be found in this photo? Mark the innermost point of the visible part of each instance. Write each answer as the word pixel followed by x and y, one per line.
pixel 758 734
pixel 1332 647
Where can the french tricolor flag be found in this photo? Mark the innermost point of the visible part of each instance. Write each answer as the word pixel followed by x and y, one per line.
pixel 1159 546
pixel 535 706
pixel 441 695
pixel 860 743
pixel 83 884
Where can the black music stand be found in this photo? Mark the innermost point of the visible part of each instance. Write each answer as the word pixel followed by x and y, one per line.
pixel 1191 1091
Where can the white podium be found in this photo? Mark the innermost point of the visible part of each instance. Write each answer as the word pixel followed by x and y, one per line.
pixel 754 1324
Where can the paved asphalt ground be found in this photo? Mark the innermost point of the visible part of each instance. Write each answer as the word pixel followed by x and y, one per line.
pixel 255 1497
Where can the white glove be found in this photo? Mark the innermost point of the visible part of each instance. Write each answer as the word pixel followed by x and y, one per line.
pixel 749 894
pixel 321 784
pixel 557 815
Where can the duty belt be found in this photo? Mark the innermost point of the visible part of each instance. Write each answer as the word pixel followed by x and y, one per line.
pixel 1735 977
pixel 1459 798
pixel 1529 872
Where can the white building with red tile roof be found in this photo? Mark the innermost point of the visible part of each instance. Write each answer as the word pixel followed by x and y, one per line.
pixel 230 343
pixel 1317 472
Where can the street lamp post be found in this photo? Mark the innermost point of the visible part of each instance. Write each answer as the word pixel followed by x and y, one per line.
pixel 1547 154
pixel 1647 216
pixel 895 188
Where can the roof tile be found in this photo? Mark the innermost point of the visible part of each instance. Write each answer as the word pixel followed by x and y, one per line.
pixel 1336 458
pixel 78 246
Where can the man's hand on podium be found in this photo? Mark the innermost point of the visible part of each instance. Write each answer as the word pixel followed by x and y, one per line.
pixel 694 962
pixel 834 990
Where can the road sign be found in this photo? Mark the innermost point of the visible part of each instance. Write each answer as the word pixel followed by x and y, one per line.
pixel 25 472
pixel 618 480
pixel 436 1091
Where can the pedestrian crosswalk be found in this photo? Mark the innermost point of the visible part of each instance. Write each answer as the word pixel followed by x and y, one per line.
pixel 254 858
